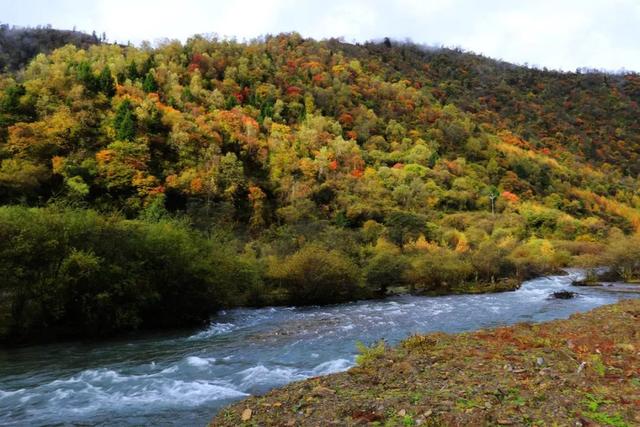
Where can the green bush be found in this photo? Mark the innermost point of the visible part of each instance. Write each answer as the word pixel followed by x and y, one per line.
pixel 537 257
pixel 315 275
pixel 490 262
pixel 78 273
pixel 386 269
pixel 439 270
pixel 403 227
pixel 369 354
pixel 623 256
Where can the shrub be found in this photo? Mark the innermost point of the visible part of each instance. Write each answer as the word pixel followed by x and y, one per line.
pixel 315 275
pixel 369 354
pixel 78 273
pixel 623 256
pixel 440 269
pixel 403 227
pixel 386 269
pixel 536 257
pixel 490 262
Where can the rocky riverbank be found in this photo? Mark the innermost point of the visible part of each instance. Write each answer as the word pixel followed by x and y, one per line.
pixel 579 372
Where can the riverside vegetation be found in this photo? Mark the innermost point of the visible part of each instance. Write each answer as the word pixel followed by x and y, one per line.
pixel 146 187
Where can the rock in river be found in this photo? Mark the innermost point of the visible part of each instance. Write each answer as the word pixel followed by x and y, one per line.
pixel 564 295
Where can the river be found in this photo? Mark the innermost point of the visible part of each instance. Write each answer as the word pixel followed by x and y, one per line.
pixel 183 377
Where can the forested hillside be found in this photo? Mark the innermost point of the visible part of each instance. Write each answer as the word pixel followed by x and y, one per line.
pixel 309 172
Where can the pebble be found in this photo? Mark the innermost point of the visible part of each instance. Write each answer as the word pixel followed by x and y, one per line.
pixel 321 391
pixel 246 415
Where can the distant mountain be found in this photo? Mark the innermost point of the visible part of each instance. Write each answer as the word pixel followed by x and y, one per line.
pixel 19 45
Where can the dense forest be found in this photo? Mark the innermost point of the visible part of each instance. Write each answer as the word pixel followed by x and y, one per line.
pixel 150 186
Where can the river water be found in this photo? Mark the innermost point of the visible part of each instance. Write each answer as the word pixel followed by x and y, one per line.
pixel 183 378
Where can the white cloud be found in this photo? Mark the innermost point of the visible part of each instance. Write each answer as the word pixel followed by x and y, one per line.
pixel 557 34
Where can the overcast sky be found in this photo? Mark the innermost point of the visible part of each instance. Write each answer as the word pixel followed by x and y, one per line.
pixel 561 34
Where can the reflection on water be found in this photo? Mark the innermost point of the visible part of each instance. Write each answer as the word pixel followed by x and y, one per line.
pixel 184 378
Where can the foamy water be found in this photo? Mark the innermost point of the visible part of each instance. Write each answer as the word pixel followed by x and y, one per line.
pixel 183 378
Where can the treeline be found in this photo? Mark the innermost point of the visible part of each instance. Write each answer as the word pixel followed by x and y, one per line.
pixel 76 273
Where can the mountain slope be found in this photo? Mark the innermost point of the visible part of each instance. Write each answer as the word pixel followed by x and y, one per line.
pixel 338 170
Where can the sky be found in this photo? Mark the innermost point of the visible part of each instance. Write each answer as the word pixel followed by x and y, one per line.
pixel 557 34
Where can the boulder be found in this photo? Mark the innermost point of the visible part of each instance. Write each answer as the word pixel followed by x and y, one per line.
pixel 564 295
